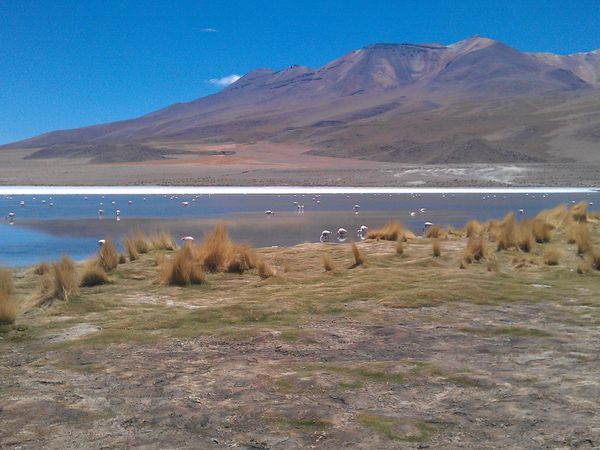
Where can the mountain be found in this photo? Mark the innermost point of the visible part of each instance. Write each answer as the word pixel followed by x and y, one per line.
pixel 477 100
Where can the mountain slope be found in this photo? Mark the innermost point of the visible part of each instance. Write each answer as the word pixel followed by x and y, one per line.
pixel 391 102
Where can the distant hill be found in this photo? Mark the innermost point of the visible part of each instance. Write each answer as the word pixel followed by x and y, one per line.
pixel 477 100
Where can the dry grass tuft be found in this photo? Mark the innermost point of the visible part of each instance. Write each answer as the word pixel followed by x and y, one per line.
pixel 399 247
pixel 241 257
pixel 492 265
pixel 360 258
pixel 557 217
pixel 595 258
pixel 475 250
pixel 61 282
pixel 141 242
pixel 579 234
pixel 8 309
pixel 41 269
pixel 552 256
pixel 93 275
pixel 108 258
pixel 506 232
pixel 391 231
pixel 541 230
pixel 473 228
pixel 435 232
pixel 122 258
pixel 328 263
pixel 183 269
pixel 6 282
pixel 131 248
pixel 214 251
pixel 265 270
pixel 436 248
pixel 584 266
pixel 525 237
pixel 579 212
pixel 159 259
pixel 163 241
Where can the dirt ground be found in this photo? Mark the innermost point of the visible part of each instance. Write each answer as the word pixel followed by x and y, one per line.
pixel 269 164
pixel 409 351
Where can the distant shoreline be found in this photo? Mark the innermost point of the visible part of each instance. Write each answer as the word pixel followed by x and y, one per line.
pixel 274 190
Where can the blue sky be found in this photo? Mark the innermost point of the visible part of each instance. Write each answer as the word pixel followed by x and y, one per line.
pixel 65 64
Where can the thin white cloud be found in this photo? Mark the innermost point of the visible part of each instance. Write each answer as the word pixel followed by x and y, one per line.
pixel 225 81
pixel 209 30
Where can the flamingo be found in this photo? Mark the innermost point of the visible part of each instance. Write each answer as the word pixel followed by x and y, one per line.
pixel 101 242
pixel 413 214
pixel 342 233
pixel 268 212
pixel 362 232
pixel 356 209
pixel 11 218
pixel 187 239
pixel 185 203
pixel 325 235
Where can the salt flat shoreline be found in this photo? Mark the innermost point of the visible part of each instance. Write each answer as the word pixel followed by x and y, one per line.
pixel 274 190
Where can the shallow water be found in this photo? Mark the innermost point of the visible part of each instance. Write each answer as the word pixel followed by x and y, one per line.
pixel 46 226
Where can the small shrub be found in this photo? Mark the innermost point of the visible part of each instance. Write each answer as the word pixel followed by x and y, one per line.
pixel 131 248
pixel 506 236
pixel 581 236
pixel 122 258
pixel 108 258
pixel 93 275
pixel 552 257
pixel 6 282
pixel 595 259
pixel 360 258
pixel 8 309
pixel 492 265
pixel 436 248
pixel 41 269
pixel 584 267
pixel 265 270
pixel 328 263
pixel 159 259
pixel 183 269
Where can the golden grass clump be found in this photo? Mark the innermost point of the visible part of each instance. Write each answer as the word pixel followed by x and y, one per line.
pixel 183 269
pixel 435 232
pixel 41 269
pixel 492 265
pixel 163 241
pixel 473 228
pixel 141 242
pixel 122 258
pixel 584 266
pixel 131 248
pixel 541 230
pixel 264 269
pixel 552 256
pixel 61 282
pixel 595 259
pixel 159 259
pixel 558 216
pixel 475 250
pixel 241 258
pixel 6 281
pixel 360 258
pixel 93 275
pixel 399 247
pixel 8 308
pixel 506 233
pixel 391 231
pixel 579 212
pixel 214 251
pixel 436 249
pixel 108 258
pixel 579 234
pixel 328 263
pixel 525 237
